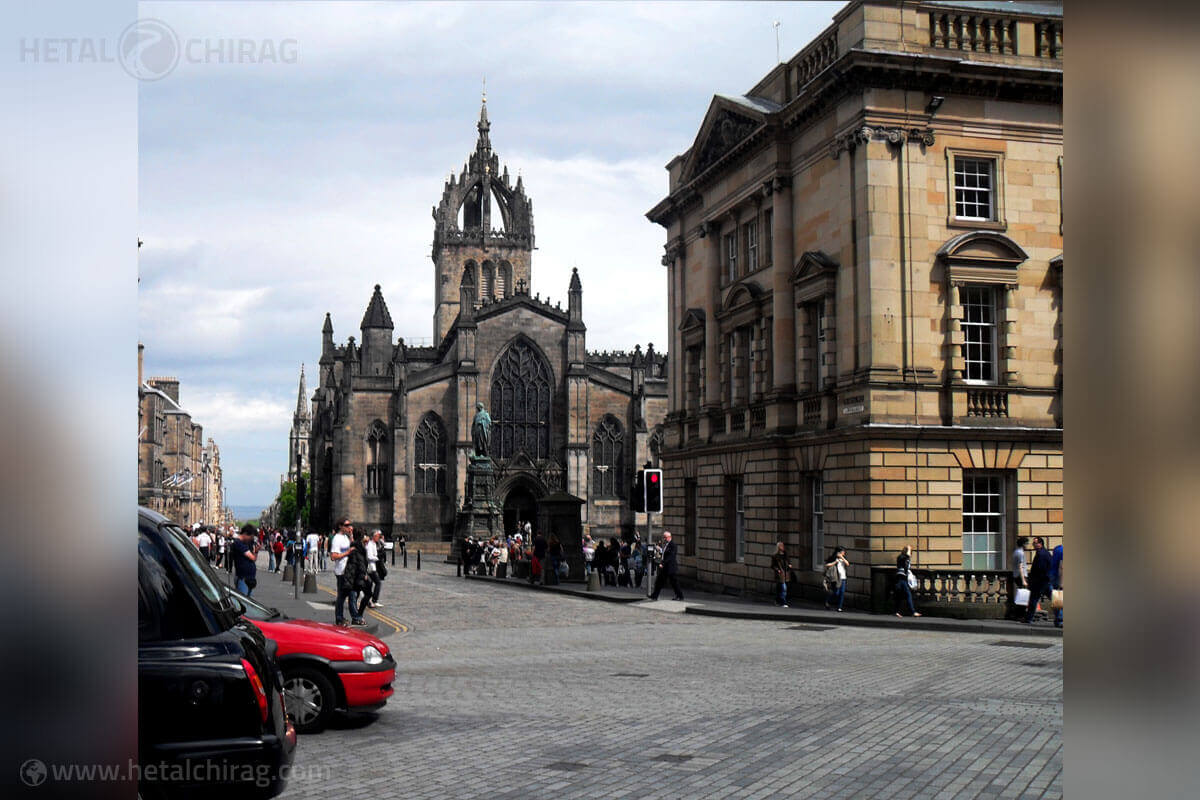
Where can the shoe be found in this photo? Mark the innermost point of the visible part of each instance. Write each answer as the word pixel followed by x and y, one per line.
pixel 898 614
pixel 785 605
pixel 916 614
pixel 358 623
pixel 678 599
pixel 341 623
pixel 652 597
pixel 839 611
pixel 376 605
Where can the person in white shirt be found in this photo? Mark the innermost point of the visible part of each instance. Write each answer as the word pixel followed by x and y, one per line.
pixel 204 541
pixel 311 543
pixel 339 549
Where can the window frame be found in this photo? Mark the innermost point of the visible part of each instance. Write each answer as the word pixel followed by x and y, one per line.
pixel 816 528
pixel 735 519
pixel 430 432
pixel 730 241
pixel 608 476
pixel 969 327
pixel 1000 533
pixel 750 228
pixel 997 220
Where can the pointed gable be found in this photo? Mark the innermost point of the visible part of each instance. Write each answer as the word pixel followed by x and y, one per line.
pixel 815 275
pixel 377 315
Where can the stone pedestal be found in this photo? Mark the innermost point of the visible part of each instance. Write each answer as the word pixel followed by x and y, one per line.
pixel 480 515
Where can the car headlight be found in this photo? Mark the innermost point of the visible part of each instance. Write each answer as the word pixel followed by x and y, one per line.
pixel 371 655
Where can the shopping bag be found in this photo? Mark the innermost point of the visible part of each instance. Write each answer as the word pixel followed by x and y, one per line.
pixel 1056 599
pixel 1021 598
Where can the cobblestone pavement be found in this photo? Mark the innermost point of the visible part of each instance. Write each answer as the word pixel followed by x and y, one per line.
pixel 509 694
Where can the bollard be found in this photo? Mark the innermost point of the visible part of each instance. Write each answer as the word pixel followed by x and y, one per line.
pixel 394 546
pixel 310 582
pixel 457 569
pixel 418 559
pixel 406 559
pixel 288 573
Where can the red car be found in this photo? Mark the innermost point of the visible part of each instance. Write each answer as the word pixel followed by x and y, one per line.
pixel 325 668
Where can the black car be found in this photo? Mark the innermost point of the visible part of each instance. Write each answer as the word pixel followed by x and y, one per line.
pixel 211 718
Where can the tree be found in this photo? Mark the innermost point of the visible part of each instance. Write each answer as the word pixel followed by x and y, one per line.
pixel 287 505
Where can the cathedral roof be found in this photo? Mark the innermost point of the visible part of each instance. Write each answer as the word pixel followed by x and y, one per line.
pixel 377 315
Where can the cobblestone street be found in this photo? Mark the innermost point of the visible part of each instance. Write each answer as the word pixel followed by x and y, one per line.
pixel 504 693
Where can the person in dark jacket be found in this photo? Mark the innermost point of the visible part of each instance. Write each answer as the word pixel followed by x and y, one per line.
pixel 903 593
pixel 356 578
pixel 781 567
pixel 670 566
pixel 1039 577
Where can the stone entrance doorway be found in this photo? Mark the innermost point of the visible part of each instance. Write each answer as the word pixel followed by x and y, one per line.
pixel 520 506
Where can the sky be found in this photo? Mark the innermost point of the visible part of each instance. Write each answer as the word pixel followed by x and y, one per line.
pixel 290 159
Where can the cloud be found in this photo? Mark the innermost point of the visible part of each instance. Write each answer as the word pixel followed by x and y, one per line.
pixel 270 194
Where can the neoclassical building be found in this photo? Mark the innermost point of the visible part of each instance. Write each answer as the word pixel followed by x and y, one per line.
pixel 865 276
pixel 391 424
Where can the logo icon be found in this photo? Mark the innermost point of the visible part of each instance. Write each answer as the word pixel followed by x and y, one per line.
pixel 33 772
pixel 148 49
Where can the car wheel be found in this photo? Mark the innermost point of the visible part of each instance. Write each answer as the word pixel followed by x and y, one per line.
pixel 309 698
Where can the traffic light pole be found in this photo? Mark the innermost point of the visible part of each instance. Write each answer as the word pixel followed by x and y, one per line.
pixel 648 556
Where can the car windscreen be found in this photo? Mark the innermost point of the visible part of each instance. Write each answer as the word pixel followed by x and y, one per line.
pixel 255 611
pixel 197 567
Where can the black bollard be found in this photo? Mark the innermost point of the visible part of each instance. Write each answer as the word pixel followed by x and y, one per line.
pixel 406 559
pixel 458 569
pixel 394 546
pixel 418 559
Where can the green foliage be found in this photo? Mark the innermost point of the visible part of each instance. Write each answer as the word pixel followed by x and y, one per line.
pixel 287 503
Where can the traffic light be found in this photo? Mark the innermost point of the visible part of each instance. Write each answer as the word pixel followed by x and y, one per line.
pixel 638 501
pixel 653 482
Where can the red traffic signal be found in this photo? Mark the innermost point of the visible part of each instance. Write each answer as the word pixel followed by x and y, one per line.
pixel 654 496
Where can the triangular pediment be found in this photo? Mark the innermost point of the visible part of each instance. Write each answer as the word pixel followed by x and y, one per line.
pixel 814 263
pixel 727 123
pixel 692 318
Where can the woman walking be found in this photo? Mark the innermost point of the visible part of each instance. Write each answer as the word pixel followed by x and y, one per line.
pixel 903 595
pixel 835 578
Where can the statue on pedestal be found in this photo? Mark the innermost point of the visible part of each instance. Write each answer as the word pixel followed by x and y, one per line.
pixel 481 432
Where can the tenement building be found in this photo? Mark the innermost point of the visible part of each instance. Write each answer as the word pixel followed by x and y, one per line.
pixel 391 423
pixel 865 267
pixel 178 474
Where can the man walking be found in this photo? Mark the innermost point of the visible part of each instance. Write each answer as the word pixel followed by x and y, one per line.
pixel 1039 577
pixel 670 566
pixel 781 567
pixel 244 553
pixel 339 550
pixel 374 569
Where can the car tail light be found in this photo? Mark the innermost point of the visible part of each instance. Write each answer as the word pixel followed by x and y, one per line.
pixel 259 691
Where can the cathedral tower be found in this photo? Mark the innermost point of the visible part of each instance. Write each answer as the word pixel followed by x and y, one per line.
pixel 482 234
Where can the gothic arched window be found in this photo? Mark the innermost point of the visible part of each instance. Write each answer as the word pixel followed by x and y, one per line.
pixel 521 403
pixel 377 472
pixel 429 456
pixel 608 462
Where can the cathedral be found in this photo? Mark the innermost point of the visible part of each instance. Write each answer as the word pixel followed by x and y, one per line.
pixel 390 424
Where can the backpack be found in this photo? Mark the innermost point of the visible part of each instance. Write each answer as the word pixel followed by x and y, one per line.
pixel 831 576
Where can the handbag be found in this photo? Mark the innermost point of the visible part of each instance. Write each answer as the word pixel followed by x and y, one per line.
pixel 1021 598
pixel 913 583
pixel 1056 599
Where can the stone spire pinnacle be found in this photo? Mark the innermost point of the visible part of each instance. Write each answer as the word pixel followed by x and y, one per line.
pixel 484 145
pixel 302 397
pixel 377 315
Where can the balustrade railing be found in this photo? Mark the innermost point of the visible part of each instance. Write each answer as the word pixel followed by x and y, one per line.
pixel 987 403
pixel 952 591
pixel 975 32
pixel 758 418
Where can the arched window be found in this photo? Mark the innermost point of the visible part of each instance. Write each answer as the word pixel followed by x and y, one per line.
pixel 378 474
pixel 487 281
pixel 608 461
pixel 429 456
pixel 521 403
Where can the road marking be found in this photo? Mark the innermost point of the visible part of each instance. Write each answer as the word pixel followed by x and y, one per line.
pixel 318 606
pixel 396 625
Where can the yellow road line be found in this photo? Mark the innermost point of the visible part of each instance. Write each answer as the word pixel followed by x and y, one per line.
pixel 396 625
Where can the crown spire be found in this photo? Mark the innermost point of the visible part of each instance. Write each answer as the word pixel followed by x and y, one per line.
pixel 301 404
pixel 484 146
